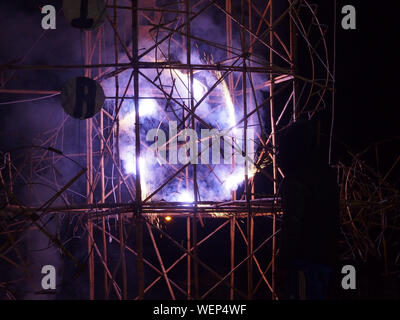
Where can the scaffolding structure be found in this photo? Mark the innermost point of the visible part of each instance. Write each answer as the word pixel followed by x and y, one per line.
pixel 275 28
pixel 370 200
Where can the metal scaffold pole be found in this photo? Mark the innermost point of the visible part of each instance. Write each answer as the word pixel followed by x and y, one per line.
pixel 138 194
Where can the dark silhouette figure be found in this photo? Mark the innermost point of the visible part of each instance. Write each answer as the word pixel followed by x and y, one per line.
pixel 310 203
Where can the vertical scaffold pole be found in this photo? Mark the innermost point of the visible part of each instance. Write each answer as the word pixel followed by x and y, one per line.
pixel 195 189
pixel 273 139
pixel 89 180
pixel 293 52
pixel 246 174
pixel 232 228
pixel 138 195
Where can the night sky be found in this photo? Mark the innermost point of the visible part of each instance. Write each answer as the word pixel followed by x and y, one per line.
pixel 366 75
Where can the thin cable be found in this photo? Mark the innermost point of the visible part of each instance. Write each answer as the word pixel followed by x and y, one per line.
pixel 28 100
pixel 30 50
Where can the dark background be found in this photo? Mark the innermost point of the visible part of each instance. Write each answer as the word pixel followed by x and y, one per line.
pixel 366 73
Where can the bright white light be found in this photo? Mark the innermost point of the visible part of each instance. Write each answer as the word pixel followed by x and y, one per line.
pixel 142 168
pixel 185 196
pixel 147 107
pixel 230 107
pixel 233 181
pixel 130 167
pixel 225 117
pixel 199 90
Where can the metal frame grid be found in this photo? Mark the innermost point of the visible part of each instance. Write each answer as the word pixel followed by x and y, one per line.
pixel 290 95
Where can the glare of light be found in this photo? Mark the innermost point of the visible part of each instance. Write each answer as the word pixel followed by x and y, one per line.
pixel 142 168
pixel 229 104
pixel 220 214
pixel 147 107
pixel 168 218
pixel 185 196
pixel 252 170
pixel 199 90
pixel 233 181
pixel 130 167
pixel 127 120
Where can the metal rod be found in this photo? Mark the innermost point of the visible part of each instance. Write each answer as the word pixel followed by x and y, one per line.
pixel 89 181
pixel 138 194
pixel 273 141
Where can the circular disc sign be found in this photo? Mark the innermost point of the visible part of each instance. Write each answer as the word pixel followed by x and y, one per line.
pixel 85 14
pixel 82 97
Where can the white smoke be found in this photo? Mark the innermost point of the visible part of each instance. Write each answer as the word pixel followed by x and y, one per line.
pixel 221 109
